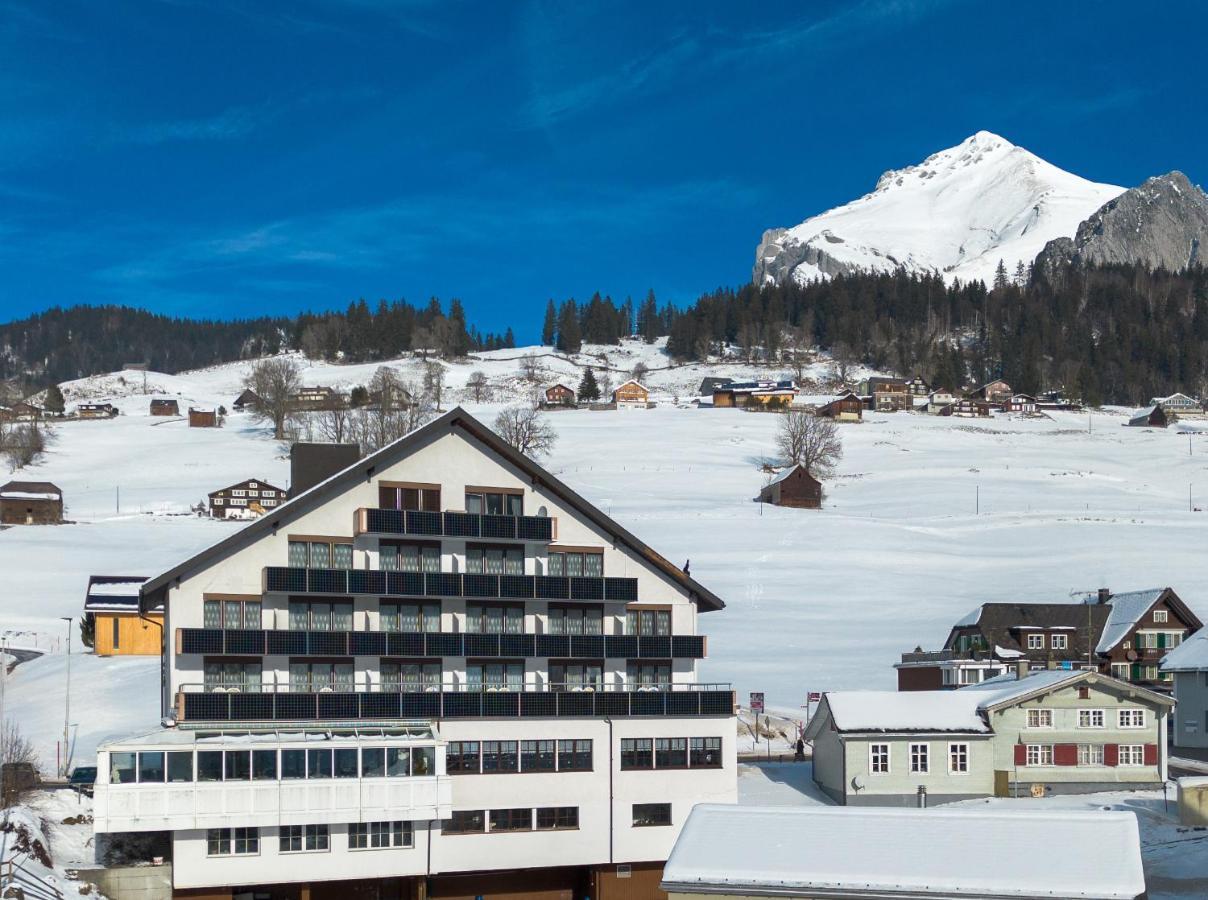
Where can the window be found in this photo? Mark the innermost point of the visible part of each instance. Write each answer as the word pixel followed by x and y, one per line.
pixel 1090 754
pixel 958 758
pixel 180 765
pixel 346 762
pixel 151 766
pixel 494 560
pixel 495 503
pixel 227 841
pixel 1132 754
pixel 1120 670
pixel 1131 718
pixel 1060 641
pixel 637 753
pixel 878 759
pixel 320 554
pixel 378 835
pixel 1161 616
pixel 553 818
pixel 576 564
pixel 671 753
pixel 397 557
pixel 410 618
pixel 305 677
pixel 117 633
pixel 537 756
pixel 648 675
pixel 511 820
pixel 495 618
pixel 373 762
pixel 316 837
pixel 464 821
pixel 919 758
pixel 576 619
pixel 500 756
pixel 1091 718
pixel 318 763
pixel 495 676
pixel 425 497
pixel 574 756
pixel 293 764
pixel 1035 641
pixel 209 765
pixel 1040 718
pixel 648 621
pixel 229 675
pixel 423 761
pixel 576 676
pixel 237 765
pixel 1039 755
pixel 409 676
pixel 320 615
pixel 646 815
pixel 398 761
pixel 705 753
pixel 462 757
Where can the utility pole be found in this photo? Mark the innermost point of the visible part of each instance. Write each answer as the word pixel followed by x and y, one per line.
pixel 977 500
pixel 67 701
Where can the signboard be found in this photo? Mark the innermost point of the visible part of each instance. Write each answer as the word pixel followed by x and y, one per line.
pixel 814 697
pixel 757 701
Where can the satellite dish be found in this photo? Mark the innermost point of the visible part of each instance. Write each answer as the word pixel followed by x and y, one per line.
pixel 857 783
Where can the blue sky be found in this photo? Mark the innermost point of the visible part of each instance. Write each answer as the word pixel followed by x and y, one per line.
pixel 221 158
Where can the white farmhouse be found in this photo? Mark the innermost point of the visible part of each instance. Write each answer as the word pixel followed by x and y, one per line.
pixel 438 672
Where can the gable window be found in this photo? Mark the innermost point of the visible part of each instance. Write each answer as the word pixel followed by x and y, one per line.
pixel 1090 754
pixel 648 622
pixel 1160 616
pixel 1131 718
pixel 958 757
pixel 230 613
pixel 878 759
pixel 1040 718
pixel 411 676
pixel 494 560
pixel 576 564
pixel 1061 641
pixel 576 619
pixel 495 503
pixel 919 758
pixel 410 618
pixel 1039 755
pixel 495 618
pixel 1132 754
pixel 1091 718
pixel 408 557
pixel 320 615
pixel 416 497
pixel 1035 641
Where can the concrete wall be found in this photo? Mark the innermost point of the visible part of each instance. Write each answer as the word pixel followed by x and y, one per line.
pixel 132 882
pixel 1191 714
pixel 1193 801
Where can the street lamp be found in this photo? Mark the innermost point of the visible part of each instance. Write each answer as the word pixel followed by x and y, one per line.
pixel 67 701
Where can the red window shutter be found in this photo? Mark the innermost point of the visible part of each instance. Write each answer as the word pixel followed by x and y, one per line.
pixel 1111 754
pixel 1151 754
pixel 1065 754
pixel 1021 755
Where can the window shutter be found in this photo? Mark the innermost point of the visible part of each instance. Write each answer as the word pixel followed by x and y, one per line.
pixel 1111 754
pixel 1065 754
pixel 1151 754
pixel 1021 755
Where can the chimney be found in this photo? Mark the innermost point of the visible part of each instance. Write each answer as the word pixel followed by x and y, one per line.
pixel 1022 667
pixel 1104 595
pixel 1051 664
pixel 310 464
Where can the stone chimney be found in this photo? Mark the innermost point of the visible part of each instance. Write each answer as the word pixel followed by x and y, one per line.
pixel 1105 595
pixel 310 464
pixel 1022 667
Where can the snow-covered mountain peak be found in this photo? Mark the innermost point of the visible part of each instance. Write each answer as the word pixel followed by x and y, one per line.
pixel 956 213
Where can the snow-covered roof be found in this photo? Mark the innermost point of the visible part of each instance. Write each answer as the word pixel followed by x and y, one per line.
pixel 1008 686
pixel 1007 653
pixel 783 475
pixel 1142 414
pixel 1189 656
pixel 26 495
pixel 971 619
pixel 113 593
pixel 804 851
pixel 922 711
pixel 1126 610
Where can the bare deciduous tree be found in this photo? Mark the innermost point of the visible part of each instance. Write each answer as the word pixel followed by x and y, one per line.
pixel 23 445
pixel 434 382
pixel 639 371
pixel 530 367
pixel 276 382
pixel 526 429
pixel 810 442
pixel 478 386
pixel 335 423
pixel 844 360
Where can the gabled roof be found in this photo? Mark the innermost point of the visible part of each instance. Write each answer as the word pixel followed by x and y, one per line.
pixel 1002 624
pixel 1142 415
pixel 786 473
pixel 1008 689
pixel 902 711
pixel 364 469
pixel 239 484
pixel 1127 609
pixel 35 490
pixel 113 593
pixel 632 381
pixel 1189 656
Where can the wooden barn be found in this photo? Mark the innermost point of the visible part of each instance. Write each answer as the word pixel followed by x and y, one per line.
pixel 202 418
pixel 117 627
pixel 631 395
pixel 845 408
pixel 246 400
pixel 559 395
pixel 164 407
pixel 767 394
pixel 30 503
pixel 1150 417
pixel 793 487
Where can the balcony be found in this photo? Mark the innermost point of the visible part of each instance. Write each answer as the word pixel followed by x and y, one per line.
pixel 345 582
pixel 422 523
pixel 249 642
pixel 279 704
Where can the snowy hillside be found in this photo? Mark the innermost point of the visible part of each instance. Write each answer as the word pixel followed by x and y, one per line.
pixel 957 213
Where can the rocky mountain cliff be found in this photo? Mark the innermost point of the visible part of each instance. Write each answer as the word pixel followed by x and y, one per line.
pixel 1164 222
pixel 957 213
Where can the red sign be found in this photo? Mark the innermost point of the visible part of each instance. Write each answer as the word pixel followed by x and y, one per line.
pixel 757 701
pixel 814 697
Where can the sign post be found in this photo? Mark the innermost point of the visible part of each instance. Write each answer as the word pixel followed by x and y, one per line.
pixel 756 705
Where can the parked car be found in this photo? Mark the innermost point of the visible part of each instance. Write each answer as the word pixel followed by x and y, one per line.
pixel 83 778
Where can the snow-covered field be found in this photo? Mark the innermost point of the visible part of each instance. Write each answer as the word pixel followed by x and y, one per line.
pixel 927 518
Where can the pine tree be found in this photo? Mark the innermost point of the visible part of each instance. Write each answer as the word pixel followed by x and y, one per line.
pixel 570 338
pixel 550 328
pixel 1000 276
pixel 588 388
pixel 54 400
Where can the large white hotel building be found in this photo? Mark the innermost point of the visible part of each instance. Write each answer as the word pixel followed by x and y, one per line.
pixel 440 672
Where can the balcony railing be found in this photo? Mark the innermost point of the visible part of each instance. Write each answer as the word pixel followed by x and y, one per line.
pixel 253 642
pixel 422 523
pixel 278 703
pixel 294 580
